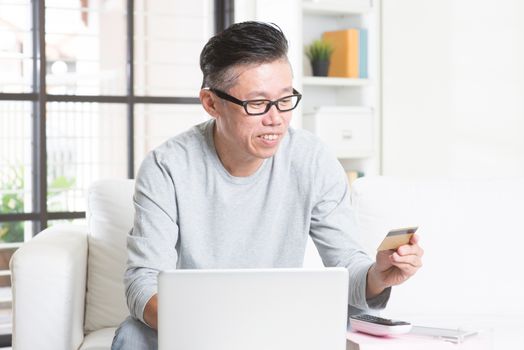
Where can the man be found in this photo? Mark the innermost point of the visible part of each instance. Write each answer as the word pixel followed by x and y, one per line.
pixel 244 191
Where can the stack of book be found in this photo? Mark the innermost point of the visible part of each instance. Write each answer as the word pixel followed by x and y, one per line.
pixel 350 57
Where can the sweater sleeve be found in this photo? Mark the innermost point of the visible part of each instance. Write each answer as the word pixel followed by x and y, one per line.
pixel 333 228
pixel 152 241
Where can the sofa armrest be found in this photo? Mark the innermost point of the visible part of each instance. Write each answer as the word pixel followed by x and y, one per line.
pixel 48 283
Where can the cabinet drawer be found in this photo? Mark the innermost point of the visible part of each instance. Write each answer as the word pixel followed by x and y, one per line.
pixel 348 131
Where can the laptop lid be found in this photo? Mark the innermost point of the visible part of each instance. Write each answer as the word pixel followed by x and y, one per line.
pixel 256 309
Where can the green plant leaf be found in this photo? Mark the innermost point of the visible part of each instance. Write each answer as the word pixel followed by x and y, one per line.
pixel 319 50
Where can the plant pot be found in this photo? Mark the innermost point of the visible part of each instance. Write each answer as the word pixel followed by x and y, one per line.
pixel 320 68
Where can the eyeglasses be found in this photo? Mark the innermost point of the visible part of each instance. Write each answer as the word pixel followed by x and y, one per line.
pixel 259 107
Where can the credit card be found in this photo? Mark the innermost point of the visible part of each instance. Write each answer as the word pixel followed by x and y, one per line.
pixel 396 238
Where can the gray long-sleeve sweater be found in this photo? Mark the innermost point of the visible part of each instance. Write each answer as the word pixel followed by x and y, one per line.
pixel 190 213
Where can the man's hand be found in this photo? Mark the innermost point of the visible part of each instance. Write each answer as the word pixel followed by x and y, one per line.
pixel 394 267
pixel 151 312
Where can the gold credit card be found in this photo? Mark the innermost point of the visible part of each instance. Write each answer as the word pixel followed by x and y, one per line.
pixel 396 238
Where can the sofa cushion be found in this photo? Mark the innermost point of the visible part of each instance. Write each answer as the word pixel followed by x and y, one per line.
pixel 99 340
pixel 470 230
pixel 110 217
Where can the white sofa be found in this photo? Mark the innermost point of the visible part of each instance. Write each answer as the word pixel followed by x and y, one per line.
pixel 67 281
pixel 68 290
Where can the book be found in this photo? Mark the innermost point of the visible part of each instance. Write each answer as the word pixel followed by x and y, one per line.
pixel 345 58
pixel 363 53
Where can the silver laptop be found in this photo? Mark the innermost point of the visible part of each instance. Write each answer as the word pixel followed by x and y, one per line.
pixel 255 309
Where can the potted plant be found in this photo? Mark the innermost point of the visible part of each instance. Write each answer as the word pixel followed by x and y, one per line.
pixel 319 53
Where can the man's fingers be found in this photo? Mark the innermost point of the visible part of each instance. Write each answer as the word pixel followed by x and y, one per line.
pixel 414 239
pixel 400 261
pixel 410 249
pixel 407 270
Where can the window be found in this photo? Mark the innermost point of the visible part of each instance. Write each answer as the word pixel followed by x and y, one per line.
pixel 108 87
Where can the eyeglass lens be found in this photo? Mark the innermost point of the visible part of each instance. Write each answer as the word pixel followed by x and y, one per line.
pixel 262 106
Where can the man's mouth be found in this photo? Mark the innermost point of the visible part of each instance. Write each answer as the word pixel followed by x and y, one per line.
pixel 269 137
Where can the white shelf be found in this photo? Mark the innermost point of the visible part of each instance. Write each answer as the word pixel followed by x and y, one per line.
pixel 362 152
pixel 356 155
pixel 330 81
pixel 335 8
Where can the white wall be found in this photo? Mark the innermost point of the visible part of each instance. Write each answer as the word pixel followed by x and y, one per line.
pixel 453 88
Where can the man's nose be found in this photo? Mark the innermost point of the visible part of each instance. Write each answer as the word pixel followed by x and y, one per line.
pixel 273 116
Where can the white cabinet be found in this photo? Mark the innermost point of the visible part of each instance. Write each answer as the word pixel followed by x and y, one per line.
pixel 348 131
pixel 304 21
pixel 344 112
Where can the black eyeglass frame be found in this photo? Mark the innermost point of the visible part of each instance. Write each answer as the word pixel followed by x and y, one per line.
pixel 227 97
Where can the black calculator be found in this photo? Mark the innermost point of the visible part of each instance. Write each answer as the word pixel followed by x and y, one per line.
pixel 377 325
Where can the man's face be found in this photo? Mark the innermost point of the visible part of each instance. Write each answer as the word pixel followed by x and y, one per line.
pixel 251 138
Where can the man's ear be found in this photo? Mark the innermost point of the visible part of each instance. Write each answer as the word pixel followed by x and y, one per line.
pixel 209 102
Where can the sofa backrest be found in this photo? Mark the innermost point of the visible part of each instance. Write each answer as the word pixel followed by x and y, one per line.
pixel 110 215
pixel 471 231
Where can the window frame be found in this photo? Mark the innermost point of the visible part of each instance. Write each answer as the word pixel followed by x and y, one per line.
pixel 223 17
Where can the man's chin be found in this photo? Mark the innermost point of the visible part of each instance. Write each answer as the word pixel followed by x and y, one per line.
pixel 267 153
